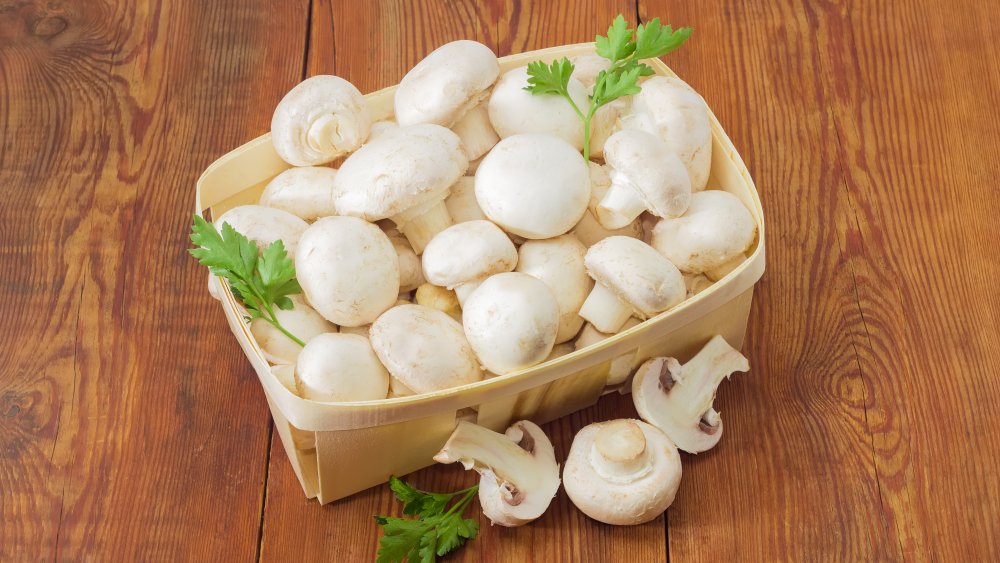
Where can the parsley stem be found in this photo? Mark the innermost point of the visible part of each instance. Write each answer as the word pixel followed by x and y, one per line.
pixel 465 500
pixel 274 322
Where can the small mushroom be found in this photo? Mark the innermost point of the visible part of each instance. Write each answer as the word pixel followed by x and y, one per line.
pixel 632 278
pixel 463 255
pixel 340 367
pixel 424 349
pixel 515 111
pixel 348 270
pixel 511 321
pixel 436 297
pixel 461 202
pixel 645 175
pixel 403 175
pixel 673 111
pixel 411 273
pixel 715 229
pixel 301 320
pixel 588 229
pixel 678 399
pixel 518 473
pixel 534 186
pixel 264 225
pixel 321 119
pixel 305 192
pixel 622 472
pixel 559 263
pixel 621 366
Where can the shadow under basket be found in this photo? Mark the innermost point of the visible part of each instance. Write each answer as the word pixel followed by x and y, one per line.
pixel 338 449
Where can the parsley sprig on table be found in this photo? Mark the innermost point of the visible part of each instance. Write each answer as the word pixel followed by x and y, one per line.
pixel 624 48
pixel 435 532
pixel 261 281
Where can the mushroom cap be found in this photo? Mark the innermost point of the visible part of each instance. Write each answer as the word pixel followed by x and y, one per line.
pixel 670 109
pixel 264 225
pixel 586 68
pixel 461 201
pixel 511 321
pixel 535 186
pixel 629 497
pixel 468 251
pixel 588 229
pixel 340 367
pixel 301 320
pixel 319 120
pixel 446 83
pixel 305 192
pixel 514 110
pixel 636 273
pixel 715 229
pixel 646 163
pixel 348 270
pixel 559 263
pixel 424 349
pixel 398 170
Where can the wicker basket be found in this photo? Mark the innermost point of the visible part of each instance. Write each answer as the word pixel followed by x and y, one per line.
pixel 338 449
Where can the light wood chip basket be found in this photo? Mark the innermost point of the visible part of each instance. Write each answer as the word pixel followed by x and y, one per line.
pixel 338 449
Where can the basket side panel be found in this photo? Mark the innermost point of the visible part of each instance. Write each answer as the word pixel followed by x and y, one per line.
pixel 572 393
pixel 302 455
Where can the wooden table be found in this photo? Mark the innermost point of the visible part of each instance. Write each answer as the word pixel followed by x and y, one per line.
pixel 132 428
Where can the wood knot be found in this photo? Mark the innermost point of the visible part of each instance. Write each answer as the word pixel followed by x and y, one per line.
pixel 49 26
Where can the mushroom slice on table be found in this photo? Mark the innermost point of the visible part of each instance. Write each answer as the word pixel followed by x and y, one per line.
pixel 677 398
pixel 715 229
pixel 622 472
pixel 518 472
pixel 632 278
pixel 424 349
pixel 645 175
pixel 559 263
pixel 301 320
pixel 340 367
pixel 463 255
pixel 403 175
pixel 534 186
pixel 511 321
pixel 321 119
pixel 670 109
pixel 348 270
pixel 264 225
pixel 305 192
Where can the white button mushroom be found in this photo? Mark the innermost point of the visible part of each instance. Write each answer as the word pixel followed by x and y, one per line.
pixel 672 110
pixel 403 175
pixel 678 399
pixel 264 225
pixel 622 472
pixel 436 297
pixel 559 263
pixel 518 472
pixel 348 270
pixel 588 229
pixel 463 255
pixel 511 321
pixel 514 111
pixel 632 278
pixel 461 201
pixel 340 367
pixel 645 174
pixel 534 186
pixel 319 120
pixel 424 349
pixel 302 320
pixel 305 192
pixel 411 273
pixel 715 229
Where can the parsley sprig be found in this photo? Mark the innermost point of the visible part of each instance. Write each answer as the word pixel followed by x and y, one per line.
pixel 624 48
pixel 433 533
pixel 262 281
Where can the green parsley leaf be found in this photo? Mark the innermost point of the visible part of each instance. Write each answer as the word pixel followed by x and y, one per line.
pixel 549 79
pixel 654 40
pixel 618 44
pixel 436 531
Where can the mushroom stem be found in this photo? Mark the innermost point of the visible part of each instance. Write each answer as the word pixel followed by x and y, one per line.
pixel 605 310
pixel 621 204
pixel 701 377
pixel 619 452
pixel 419 224
pixel 476 132
pixel 464 290
pixel 324 134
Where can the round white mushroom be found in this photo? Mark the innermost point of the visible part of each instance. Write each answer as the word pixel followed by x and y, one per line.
pixel 511 321
pixel 622 472
pixel 264 225
pixel 340 367
pixel 301 320
pixel 632 278
pixel 321 119
pixel 424 349
pixel 463 255
pixel 715 229
pixel 446 84
pixel 514 111
pixel 534 186
pixel 403 175
pixel 559 263
pixel 305 192
pixel 348 270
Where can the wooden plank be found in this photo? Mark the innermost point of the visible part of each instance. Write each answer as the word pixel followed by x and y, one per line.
pixel 131 428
